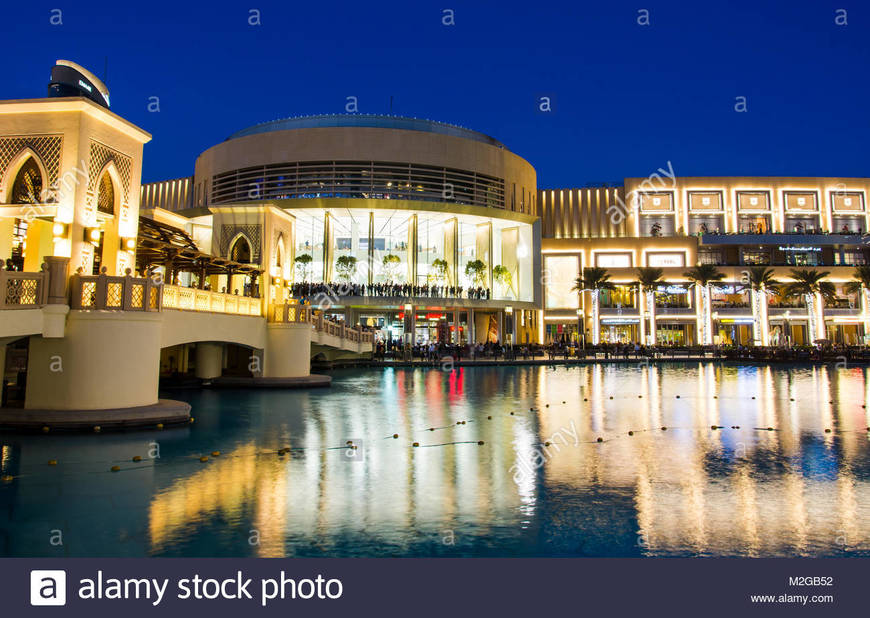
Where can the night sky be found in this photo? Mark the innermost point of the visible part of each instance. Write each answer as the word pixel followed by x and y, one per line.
pixel 626 98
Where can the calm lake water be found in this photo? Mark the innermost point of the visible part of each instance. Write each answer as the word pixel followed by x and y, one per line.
pixel 688 490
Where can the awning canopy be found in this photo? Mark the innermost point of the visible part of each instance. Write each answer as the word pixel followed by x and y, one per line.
pixel 159 244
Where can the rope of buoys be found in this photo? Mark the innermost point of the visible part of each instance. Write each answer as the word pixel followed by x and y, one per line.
pixel 115 468
pixel 204 458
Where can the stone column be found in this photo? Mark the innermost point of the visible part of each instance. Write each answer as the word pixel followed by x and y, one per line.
pixel 288 350
pixel 209 360
pixel 58 280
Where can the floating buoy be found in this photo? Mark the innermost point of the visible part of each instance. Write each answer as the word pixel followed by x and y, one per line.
pixel 631 433
pixel 458 422
pixel 678 396
pixel 96 429
pixel 640 396
pixel 52 462
pixel 547 405
pixel 715 397
pixel 280 452
pixel 713 427
pixel 431 429
pixel 159 425
pixel 827 431
pixel 416 444
pixel 349 442
pixel 791 399
pixel 530 410
pixel 203 459
pixel 564 402
pixel 546 444
pixel 753 396
pixel 863 406
pixel 664 428
pixel 611 396
pixel 137 458
pixel 45 429
pixel 480 442
pixel 600 440
pixel 395 435
pixel 116 468
pixel 215 453
pixel 584 399
pixel 512 413
pixel 6 478
pixel 770 428
pixel 463 422
pixel 489 417
pixel 832 401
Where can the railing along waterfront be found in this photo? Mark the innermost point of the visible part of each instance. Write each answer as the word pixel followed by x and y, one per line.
pixel 194 299
pixel 301 314
pixel 23 290
pixel 104 292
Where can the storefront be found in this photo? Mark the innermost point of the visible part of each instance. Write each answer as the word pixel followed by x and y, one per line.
pixel 732 331
pixel 619 330
pixel 672 333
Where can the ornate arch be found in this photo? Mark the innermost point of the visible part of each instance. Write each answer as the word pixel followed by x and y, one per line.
pixel 110 170
pixel 232 246
pixel 14 167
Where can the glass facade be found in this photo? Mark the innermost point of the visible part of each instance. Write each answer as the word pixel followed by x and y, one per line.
pixel 363 246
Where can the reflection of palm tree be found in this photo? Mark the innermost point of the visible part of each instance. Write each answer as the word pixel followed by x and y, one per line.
pixel 702 277
pixel 808 283
pixel 594 279
pixel 648 279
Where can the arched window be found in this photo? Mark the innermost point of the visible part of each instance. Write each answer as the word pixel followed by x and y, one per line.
pixel 27 188
pixel 241 250
pixel 106 195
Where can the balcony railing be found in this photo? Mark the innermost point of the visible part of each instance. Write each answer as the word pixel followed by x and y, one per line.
pixel 194 299
pixel 22 290
pixel 102 292
pixel 300 314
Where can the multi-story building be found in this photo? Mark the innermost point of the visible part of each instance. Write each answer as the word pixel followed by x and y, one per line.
pixel 674 223
pixel 394 213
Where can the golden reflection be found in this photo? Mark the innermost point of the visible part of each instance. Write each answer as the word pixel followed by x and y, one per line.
pixel 738 489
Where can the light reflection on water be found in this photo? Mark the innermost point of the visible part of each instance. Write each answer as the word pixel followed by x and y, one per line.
pixel 686 490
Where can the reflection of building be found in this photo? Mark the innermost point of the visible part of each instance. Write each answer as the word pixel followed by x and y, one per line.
pixel 369 201
pixel 676 223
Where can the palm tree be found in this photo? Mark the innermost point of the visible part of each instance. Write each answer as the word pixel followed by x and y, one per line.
pixel 648 279
pixel 809 284
pixel 702 277
pixel 860 285
pixel 759 281
pixel 594 279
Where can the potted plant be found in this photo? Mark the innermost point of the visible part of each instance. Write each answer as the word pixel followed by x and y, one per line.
pixel 504 277
pixel 346 266
pixel 390 264
pixel 475 270
pixel 303 263
pixel 439 270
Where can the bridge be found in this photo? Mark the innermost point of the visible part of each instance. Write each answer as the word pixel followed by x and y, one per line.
pixel 94 342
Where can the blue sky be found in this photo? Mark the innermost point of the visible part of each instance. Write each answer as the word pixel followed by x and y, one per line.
pixel 626 98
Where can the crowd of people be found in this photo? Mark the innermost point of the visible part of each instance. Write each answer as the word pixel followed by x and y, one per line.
pixel 388 290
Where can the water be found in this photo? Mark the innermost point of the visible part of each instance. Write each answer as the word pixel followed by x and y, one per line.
pixel 685 491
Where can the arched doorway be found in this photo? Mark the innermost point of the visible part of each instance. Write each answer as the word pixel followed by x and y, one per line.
pixel 106 196
pixel 26 189
pixel 241 250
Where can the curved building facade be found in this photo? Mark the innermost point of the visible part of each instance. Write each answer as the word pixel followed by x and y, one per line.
pixel 403 211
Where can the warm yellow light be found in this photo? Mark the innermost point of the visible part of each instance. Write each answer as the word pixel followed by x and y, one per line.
pixel 509 310
pixel 129 244
pixel 58 229
pixel 94 235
